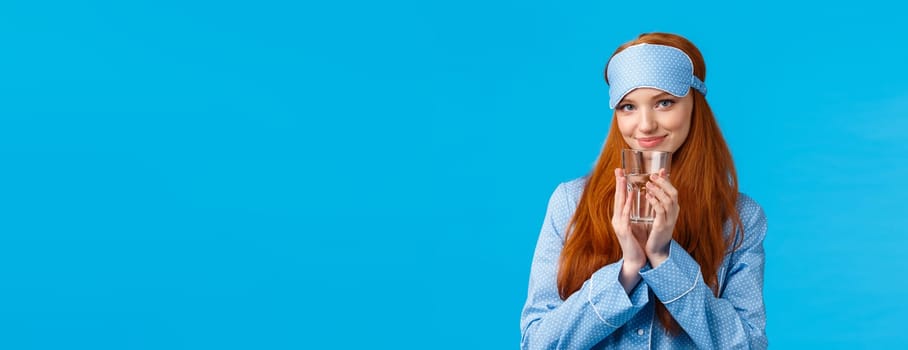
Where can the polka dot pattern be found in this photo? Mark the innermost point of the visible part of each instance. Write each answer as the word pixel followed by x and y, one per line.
pixel 601 315
pixel 654 66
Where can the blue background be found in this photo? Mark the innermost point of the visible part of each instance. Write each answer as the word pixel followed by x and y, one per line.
pixel 281 175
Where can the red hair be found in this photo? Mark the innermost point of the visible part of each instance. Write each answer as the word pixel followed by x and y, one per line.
pixel 702 171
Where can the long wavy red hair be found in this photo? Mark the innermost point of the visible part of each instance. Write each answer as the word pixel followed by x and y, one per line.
pixel 702 171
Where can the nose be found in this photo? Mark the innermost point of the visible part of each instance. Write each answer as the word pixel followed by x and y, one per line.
pixel 647 122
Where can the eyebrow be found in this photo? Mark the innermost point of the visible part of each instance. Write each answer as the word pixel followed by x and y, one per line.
pixel 658 96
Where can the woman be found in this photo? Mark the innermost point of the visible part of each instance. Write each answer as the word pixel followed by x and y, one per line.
pixel 691 279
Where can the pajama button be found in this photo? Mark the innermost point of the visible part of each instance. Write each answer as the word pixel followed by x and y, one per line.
pixel 640 332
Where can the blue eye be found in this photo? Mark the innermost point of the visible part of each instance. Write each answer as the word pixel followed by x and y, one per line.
pixel 666 103
pixel 627 107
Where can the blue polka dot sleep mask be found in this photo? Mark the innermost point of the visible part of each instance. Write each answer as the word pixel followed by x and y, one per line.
pixel 653 66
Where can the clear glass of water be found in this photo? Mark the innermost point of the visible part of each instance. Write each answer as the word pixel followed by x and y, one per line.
pixel 638 165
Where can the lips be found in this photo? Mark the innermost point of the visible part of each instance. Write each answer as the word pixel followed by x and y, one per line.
pixel 650 142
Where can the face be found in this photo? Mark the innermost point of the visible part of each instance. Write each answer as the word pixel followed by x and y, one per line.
pixel 652 119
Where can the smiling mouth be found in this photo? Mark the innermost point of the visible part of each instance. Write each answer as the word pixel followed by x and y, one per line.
pixel 650 141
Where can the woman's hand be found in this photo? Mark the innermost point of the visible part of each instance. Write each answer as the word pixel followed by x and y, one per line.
pixel 664 198
pixel 631 238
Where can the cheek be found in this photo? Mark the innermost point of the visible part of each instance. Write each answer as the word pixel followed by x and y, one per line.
pixel 626 129
pixel 681 126
pixel 679 121
pixel 626 126
pixel 677 124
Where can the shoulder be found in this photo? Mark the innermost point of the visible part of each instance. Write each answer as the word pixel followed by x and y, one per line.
pixel 569 192
pixel 563 202
pixel 753 218
pixel 748 208
pixel 573 189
